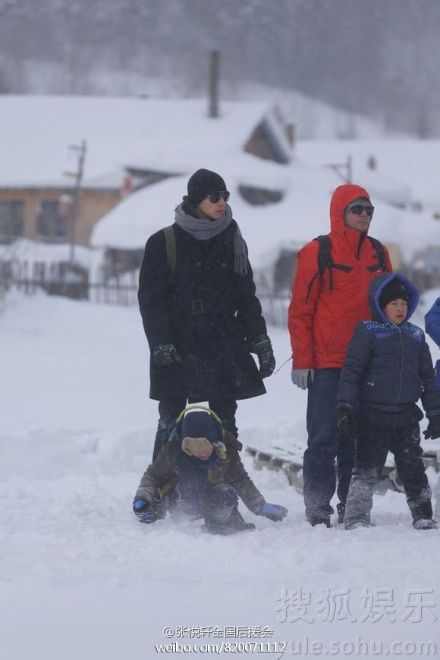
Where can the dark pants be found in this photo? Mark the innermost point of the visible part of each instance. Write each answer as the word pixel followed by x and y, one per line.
pixel 323 446
pixel 218 506
pixel 169 410
pixel 221 501
pixel 194 496
pixel 372 446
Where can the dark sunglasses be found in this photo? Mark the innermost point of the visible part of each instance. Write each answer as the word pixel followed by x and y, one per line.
pixel 221 194
pixel 358 208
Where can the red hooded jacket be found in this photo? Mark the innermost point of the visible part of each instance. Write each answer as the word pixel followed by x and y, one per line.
pixel 321 321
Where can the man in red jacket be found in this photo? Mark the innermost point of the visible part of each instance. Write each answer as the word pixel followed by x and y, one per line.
pixel 329 297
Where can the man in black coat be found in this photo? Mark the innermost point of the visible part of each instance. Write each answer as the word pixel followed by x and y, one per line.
pixel 200 313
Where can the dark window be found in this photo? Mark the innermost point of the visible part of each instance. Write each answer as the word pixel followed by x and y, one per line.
pixel 284 270
pixel 119 261
pixel 51 224
pixel 260 196
pixel 11 220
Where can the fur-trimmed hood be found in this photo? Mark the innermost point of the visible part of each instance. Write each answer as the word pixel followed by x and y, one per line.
pixel 378 285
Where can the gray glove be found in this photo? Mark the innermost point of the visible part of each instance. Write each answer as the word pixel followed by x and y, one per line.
pixel 302 377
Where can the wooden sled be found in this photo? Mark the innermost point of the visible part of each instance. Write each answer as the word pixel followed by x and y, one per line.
pixel 291 463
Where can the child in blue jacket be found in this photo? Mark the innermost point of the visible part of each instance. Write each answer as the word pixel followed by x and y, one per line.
pixel 432 327
pixel 387 369
pixel 432 322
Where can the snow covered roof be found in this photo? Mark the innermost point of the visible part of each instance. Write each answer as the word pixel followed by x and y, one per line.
pixel 406 169
pixel 302 214
pixel 304 208
pixel 172 135
pixel 176 136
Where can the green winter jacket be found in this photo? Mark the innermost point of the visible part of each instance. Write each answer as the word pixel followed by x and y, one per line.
pixel 163 474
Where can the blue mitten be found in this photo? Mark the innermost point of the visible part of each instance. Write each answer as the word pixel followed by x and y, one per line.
pixel 141 509
pixel 274 512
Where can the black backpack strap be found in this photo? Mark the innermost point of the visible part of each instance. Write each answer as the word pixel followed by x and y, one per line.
pixel 325 260
pixel 324 253
pixel 170 243
pixel 380 256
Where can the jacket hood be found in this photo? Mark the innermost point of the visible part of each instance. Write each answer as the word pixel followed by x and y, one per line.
pixel 378 285
pixel 341 197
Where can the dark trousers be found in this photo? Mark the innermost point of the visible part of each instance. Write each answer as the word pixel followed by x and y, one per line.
pixel 323 446
pixel 169 410
pixel 216 503
pixel 372 446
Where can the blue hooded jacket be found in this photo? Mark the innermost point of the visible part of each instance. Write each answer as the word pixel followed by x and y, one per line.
pixel 432 322
pixel 389 366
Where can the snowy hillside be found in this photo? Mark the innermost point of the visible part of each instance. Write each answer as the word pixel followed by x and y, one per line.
pixel 347 53
pixel 81 578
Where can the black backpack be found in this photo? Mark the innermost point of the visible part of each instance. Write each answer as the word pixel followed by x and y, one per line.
pixel 325 260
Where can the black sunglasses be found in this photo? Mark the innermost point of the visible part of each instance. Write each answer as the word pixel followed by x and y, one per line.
pixel 358 208
pixel 217 196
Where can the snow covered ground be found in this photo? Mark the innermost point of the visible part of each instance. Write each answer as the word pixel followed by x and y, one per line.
pixel 81 578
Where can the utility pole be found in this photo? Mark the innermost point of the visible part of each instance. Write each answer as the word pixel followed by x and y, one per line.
pixel 340 167
pixel 213 83
pixel 80 150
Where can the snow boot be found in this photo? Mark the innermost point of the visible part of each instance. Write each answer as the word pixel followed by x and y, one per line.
pixel 425 523
pixel 360 497
pixel 420 505
pixel 319 519
pixel 355 524
pixel 221 511
pixel 235 524
pixel 340 508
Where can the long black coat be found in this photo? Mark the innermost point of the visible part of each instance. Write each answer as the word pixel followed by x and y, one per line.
pixel 209 312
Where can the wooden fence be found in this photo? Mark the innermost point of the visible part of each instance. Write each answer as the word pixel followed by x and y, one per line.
pixel 73 281
pixel 64 280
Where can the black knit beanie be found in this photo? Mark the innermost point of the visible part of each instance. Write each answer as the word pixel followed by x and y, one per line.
pixel 395 289
pixel 203 183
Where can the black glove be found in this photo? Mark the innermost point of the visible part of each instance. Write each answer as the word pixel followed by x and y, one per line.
pixel 433 430
pixel 346 423
pixel 165 354
pixel 263 348
pixel 141 509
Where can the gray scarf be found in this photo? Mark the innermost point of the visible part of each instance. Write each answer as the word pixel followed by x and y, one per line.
pixel 203 229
